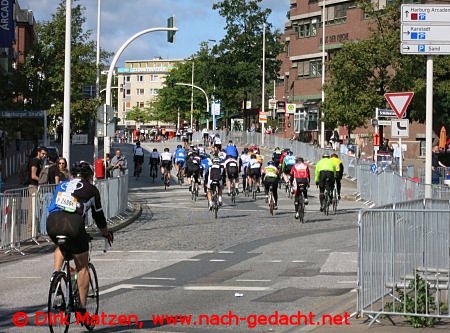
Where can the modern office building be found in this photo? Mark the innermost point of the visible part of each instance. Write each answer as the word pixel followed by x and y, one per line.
pixel 139 82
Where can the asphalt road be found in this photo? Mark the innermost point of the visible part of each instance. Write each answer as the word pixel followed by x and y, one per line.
pixel 176 259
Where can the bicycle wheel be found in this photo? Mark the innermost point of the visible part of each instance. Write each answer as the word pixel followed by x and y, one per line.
pixel 271 203
pixel 58 302
pixel 327 204
pixel 301 209
pixel 92 300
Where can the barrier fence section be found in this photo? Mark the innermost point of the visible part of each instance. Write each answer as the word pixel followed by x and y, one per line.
pixel 404 260
pixel 24 211
pixel 377 188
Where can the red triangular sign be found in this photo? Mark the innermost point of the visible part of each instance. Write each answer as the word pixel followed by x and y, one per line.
pixel 399 102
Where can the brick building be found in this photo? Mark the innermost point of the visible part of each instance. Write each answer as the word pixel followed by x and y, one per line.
pixel 299 89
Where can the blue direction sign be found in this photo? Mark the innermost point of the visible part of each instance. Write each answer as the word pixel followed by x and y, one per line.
pixel 373 168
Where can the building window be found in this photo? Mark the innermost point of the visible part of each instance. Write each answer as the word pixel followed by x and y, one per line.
pixel 315 68
pixel 306 28
pixel 127 105
pixel 303 68
pixel 139 91
pixel 128 92
pixel 140 78
pixel 338 13
pixel 154 91
pixel 127 78
pixel 154 77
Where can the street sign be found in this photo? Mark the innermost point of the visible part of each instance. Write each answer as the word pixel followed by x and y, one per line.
pixel 272 103
pixel 386 113
pixel 409 48
pixel 290 108
pixel 425 33
pixel 399 102
pixel 263 117
pixel 400 128
pixel 373 168
pixel 101 114
pixel 425 13
pixel 384 123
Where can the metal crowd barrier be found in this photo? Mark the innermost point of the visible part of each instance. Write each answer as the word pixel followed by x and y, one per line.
pixel 24 211
pixel 400 245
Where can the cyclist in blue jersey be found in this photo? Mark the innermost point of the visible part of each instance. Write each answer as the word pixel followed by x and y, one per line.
pixel 231 150
pixel 179 157
pixel 288 163
pixel 205 163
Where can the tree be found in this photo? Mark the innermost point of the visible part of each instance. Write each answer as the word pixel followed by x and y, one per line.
pixel 138 115
pixel 44 67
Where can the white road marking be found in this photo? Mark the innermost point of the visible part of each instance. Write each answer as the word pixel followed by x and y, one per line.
pixel 23 277
pixel 106 259
pixel 346 282
pixel 136 260
pixel 157 278
pixel 250 280
pixel 217 260
pixel 323 250
pixel 274 260
pixel 225 288
pixel 298 261
pixel 225 252
pixel 132 286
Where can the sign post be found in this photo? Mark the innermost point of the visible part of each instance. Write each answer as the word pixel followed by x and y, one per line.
pixel 400 128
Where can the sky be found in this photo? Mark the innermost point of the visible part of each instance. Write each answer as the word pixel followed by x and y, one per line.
pixel 121 19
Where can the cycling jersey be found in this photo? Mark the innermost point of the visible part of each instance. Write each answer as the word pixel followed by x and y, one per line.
pixel 179 155
pixel 138 151
pixel 300 171
pixel 289 160
pixel 231 150
pixel 214 175
pixel 245 160
pixel 325 164
pixel 154 157
pixel 222 155
pixel 217 141
pixel 339 166
pixel 254 163
pixel 166 156
pixel 231 166
pixel 270 171
pixel 205 164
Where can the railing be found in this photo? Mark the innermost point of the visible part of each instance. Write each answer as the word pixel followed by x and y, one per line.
pixel 24 211
pixel 404 261
pixel 12 163
pixel 375 188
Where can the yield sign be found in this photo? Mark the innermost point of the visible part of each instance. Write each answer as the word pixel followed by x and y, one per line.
pixel 399 102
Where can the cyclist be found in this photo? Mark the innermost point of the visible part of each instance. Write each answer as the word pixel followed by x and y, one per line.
pixel 254 171
pixel 324 177
pixel 244 161
pixel 339 172
pixel 166 163
pixel 231 166
pixel 154 161
pixel 222 155
pixel 201 148
pixel 204 165
pixel 138 158
pixel 217 142
pixel 67 213
pixel 231 150
pixel 276 155
pixel 287 164
pixel 214 177
pixel 270 177
pixel 192 167
pixel 205 135
pixel 179 157
pixel 300 175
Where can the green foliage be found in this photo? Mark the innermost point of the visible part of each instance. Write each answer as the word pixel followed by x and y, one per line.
pixel 417 294
pixel 138 115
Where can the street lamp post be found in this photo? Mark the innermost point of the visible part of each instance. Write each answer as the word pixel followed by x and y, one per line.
pixel 97 77
pixel 192 94
pixel 194 86
pixel 66 114
pixel 322 123
pixel 263 81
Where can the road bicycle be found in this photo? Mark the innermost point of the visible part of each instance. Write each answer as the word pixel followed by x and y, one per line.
pixel 63 296
pixel 180 176
pixel 194 189
pixel 215 198
pixel 153 171
pixel 271 200
pixel 300 212
pixel 254 188
pixel 335 199
pixel 326 199
pixel 166 178
pixel 288 189
pixel 233 191
pixel 137 169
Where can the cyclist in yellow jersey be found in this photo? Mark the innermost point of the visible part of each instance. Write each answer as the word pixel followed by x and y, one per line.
pixel 270 177
pixel 339 172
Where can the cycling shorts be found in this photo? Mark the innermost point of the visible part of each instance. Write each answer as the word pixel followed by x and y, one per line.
pixel 180 163
pixel 154 161
pixel 254 173
pixel 287 169
pixel 71 225
pixel 213 183
pixel 166 164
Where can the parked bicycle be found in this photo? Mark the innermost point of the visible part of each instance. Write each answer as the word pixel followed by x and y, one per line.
pixel 63 296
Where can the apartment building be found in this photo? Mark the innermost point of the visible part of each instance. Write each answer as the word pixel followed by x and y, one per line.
pixel 139 82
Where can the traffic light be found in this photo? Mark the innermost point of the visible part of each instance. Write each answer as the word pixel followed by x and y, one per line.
pixel 171 34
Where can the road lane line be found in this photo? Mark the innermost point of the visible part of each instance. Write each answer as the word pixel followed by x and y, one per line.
pixel 157 278
pixel 250 280
pixel 298 261
pixel 225 288
pixel 217 260
pixel 133 286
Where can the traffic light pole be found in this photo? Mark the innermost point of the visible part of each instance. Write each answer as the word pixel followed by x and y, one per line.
pixel 106 148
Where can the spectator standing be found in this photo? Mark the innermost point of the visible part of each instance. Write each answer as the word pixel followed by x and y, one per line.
pixel 63 171
pixel 119 164
pixel 36 165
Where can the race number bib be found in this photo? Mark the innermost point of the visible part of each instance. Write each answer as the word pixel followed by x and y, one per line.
pixel 66 202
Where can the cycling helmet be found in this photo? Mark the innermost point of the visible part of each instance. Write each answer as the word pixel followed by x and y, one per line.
pixel 326 155
pixel 166 149
pixel 245 150
pixel 270 163
pixel 138 143
pixel 82 169
pixel 179 146
pixel 290 153
pixel 252 156
pixel 299 159
pixel 216 160
pixel 155 150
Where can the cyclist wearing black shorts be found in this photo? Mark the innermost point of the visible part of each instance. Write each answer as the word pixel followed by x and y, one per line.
pixel 138 157
pixel 232 173
pixel 166 162
pixel 154 161
pixel 67 213
pixel 324 177
pixel 192 167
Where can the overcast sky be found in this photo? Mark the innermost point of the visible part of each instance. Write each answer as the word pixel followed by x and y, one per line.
pixel 121 19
